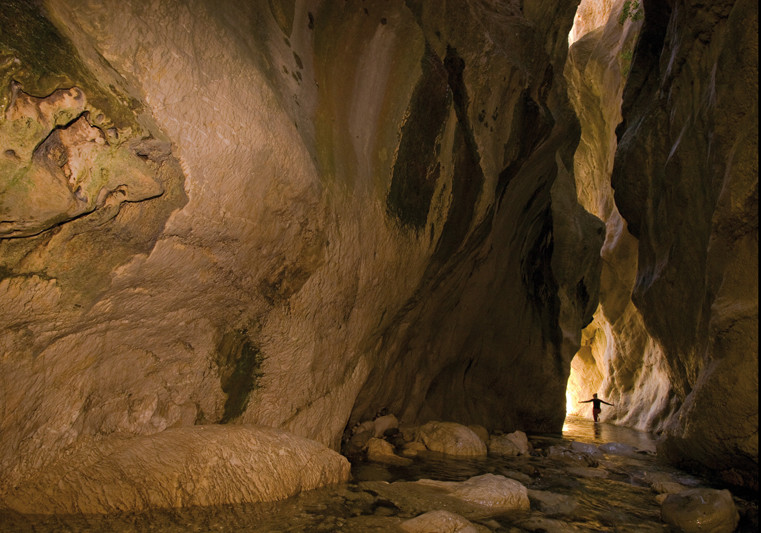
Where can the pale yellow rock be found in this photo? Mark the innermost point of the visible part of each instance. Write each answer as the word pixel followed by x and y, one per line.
pixel 481 431
pixel 493 492
pixel 477 498
pixel 381 451
pixel 438 522
pixel 383 423
pixel 515 443
pixel 451 438
pixel 201 465
pixel 412 449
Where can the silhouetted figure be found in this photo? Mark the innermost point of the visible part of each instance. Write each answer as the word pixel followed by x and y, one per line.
pixel 596 405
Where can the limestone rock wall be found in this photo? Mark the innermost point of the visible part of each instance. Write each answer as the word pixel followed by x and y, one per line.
pixel 666 343
pixel 365 205
pixel 686 182
pixel 294 214
pixel 619 358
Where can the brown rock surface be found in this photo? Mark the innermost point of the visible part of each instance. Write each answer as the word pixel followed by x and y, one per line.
pixel 439 522
pixel 202 465
pixel 452 439
pixel 686 181
pixel 378 203
pixel 696 510
pixel 296 217
pixel 674 342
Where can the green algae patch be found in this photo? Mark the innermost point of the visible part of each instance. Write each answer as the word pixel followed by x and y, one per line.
pixel 36 55
pixel 240 362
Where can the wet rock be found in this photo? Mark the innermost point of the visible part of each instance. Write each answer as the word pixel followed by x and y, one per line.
pixel 439 522
pixel 451 438
pixel 701 510
pixel 571 457
pixel 409 432
pixel 481 431
pixel 493 492
pixel 476 498
pixel 617 448
pixel 412 449
pixel 200 465
pixel 515 443
pixel 583 447
pixel 552 504
pixel 537 523
pixel 668 487
pixel 381 451
pixel 367 425
pixel 582 471
pixel 384 423
pixel 395 437
pixel 358 443
pixel 665 483
pixel 518 476
pixel 501 445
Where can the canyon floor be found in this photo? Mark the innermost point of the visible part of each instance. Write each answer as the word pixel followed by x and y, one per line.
pixel 619 489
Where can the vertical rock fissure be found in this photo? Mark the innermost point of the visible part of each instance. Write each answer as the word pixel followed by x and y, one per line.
pixel 529 128
pixel 468 177
pixel 417 167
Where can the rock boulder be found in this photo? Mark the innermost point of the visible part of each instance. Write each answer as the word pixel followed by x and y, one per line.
pixel 451 438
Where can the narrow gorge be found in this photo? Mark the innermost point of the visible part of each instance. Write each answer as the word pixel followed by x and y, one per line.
pixel 232 232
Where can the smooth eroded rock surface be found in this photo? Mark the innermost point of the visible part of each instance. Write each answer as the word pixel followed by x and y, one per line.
pixel 452 439
pixel 297 215
pixel 695 510
pixel 203 465
pixel 686 182
pixel 380 451
pixel 475 498
pixel 515 443
pixel 438 522
pixel 351 197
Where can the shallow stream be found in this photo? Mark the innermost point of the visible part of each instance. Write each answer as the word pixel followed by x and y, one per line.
pixel 612 495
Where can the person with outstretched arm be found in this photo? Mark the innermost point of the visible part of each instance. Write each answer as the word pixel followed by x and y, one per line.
pixel 596 405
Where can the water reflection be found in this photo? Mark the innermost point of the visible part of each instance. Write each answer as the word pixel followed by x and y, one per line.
pixel 585 430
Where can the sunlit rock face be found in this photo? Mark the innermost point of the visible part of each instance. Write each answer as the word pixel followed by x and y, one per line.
pixel 312 211
pixel 619 358
pixel 673 343
pixel 686 182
